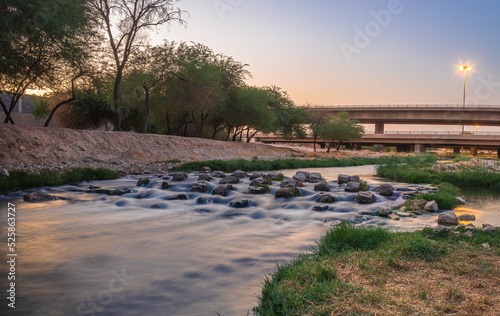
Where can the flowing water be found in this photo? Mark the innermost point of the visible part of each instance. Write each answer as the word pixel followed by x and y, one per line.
pixel 119 255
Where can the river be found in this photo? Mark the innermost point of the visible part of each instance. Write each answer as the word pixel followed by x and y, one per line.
pixel 119 255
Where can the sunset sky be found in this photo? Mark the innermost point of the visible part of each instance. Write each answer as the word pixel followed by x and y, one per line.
pixel 408 52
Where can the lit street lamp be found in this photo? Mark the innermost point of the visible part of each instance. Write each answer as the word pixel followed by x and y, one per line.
pixel 464 69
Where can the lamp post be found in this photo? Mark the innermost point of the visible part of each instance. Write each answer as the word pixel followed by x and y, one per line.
pixel 464 69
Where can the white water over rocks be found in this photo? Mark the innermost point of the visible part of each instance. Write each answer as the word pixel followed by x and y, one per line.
pixel 120 255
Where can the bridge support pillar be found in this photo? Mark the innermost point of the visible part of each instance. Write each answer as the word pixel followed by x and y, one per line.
pixel 473 151
pixel 379 128
pixel 456 150
pixel 419 148
pixel 322 145
pixel 498 153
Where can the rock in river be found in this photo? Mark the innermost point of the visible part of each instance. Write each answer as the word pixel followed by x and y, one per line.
pixel 366 197
pixel 222 189
pixel 287 192
pixel 314 177
pixel 200 186
pixel 179 176
pixel 431 207
pixel 322 186
pixel 342 178
pixel 325 198
pixel 302 176
pixel 467 217
pixel 142 182
pixel 229 180
pixel 40 197
pixel 352 187
pixel 385 189
pixel 448 218
pixel 240 204
pixel 204 177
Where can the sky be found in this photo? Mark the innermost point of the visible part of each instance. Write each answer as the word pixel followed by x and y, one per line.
pixel 348 52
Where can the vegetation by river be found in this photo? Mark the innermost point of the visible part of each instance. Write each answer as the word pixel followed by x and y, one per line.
pixel 371 271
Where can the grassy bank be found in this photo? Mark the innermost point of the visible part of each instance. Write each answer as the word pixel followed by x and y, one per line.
pixel 421 171
pixel 294 163
pixel 370 271
pixel 19 180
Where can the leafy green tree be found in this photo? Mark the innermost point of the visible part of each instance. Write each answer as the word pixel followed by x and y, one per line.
pixel 43 45
pixel 132 18
pixel 340 128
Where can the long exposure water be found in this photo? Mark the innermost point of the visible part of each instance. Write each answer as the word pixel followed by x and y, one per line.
pixel 96 254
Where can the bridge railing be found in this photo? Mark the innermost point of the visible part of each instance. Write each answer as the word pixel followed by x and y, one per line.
pixel 432 133
pixel 405 106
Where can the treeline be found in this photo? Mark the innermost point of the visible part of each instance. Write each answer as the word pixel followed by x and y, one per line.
pixel 94 61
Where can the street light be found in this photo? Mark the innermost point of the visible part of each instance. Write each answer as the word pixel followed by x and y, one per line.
pixel 464 69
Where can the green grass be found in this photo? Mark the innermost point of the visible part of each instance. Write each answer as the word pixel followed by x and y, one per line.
pixel 19 180
pixel 351 271
pixel 445 197
pixel 256 164
pixel 418 170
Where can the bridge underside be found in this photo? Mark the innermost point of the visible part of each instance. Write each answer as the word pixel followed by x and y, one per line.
pixel 417 143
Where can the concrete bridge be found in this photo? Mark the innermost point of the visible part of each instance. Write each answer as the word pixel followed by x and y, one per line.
pixel 428 114
pixel 411 141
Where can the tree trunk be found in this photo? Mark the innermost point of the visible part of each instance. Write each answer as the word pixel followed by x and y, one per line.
pixel 116 99
pixel 7 116
pixel 314 141
pixel 251 136
pixel 148 111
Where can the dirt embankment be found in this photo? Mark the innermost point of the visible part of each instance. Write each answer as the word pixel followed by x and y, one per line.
pixel 37 146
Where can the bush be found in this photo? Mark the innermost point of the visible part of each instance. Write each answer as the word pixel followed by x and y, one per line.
pixel 445 197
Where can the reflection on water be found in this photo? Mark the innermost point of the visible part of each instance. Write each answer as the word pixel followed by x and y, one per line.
pixel 119 255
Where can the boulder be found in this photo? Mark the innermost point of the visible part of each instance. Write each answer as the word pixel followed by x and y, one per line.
pixel 240 204
pixel 431 207
pixel 222 189
pixel 441 228
pixel 204 200
pixel 325 198
pixel 144 194
pixel 385 189
pixel 288 183
pixel 302 176
pixel 418 205
pixel 354 179
pixel 365 197
pixel 342 178
pixel 469 226
pixel 218 174
pixel 276 176
pixel 382 212
pixel 256 175
pixel 239 174
pixel 488 228
pixel 206 169
pixel 40 197
pixel 142 182
pixel 120 191
pixel 352 187
pixel 287 192
pixel 178 197
pixel 257 190
pixel 200 186
pixel 320 208
pixel 229 180
pixel 179 176
pixel 460 201
pixel 467 217
pixel 469 234
pixel 394 217
pixel 4 173
pixel 165 185
pixel 255 182
pixel 322 186
pixel 204 177
pixel 314 177
pixel 448 219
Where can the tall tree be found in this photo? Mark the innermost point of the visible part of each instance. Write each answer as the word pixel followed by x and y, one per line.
pixel 132 17
pixel 340 128
pixel 42 41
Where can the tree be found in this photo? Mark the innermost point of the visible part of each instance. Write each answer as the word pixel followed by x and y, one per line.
pixel 340 128
pixel 134 17
pixel 41 48
pixel 316 122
